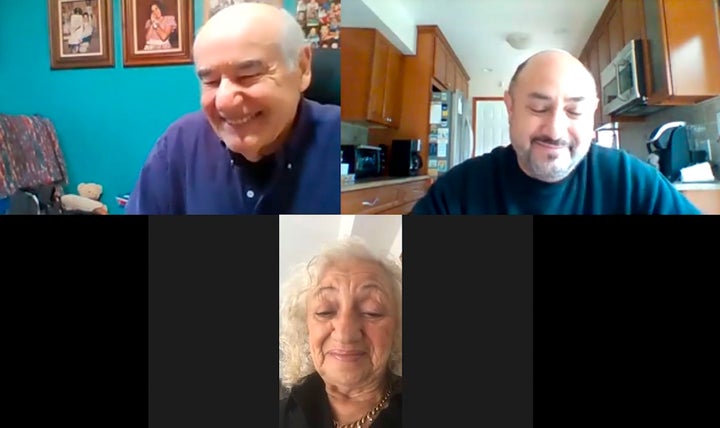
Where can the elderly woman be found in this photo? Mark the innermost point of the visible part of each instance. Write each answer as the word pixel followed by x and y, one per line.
pixel 341 341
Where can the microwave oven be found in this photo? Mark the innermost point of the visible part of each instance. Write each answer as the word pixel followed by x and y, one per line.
pixel 364 161
pixel 622 82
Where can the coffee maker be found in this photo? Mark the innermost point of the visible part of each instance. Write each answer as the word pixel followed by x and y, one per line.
pixel 670 143
pixel 405 159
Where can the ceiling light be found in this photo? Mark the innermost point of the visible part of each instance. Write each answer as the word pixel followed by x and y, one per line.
pixel 518 41
pixel 487 70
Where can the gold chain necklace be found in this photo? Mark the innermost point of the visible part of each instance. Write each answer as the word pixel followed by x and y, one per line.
pixel 368 417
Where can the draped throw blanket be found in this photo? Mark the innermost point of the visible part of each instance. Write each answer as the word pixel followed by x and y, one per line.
pixel 29 154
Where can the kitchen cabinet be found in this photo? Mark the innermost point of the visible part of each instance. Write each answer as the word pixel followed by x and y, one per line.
pixel 681 47
pixel 633 20
pixel 371 87
pixel 684 51
pixel 384 197
pixel 448 72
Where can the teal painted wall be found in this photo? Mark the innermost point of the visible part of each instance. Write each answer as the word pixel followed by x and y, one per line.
pixel 108 119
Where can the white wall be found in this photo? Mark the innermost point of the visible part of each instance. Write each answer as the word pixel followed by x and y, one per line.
pixel 303 236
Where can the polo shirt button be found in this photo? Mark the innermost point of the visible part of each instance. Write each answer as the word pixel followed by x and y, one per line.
pixel 250 194
pixel 289 166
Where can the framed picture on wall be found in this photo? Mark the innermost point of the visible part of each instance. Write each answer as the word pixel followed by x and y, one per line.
pixel 81 34
pixel 211 7
pixel 157 32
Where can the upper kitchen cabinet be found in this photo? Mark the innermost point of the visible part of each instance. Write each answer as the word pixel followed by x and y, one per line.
pixel 681 47
pixel 371 87
pixel 448 72
pixel 633 20
pixel 683 50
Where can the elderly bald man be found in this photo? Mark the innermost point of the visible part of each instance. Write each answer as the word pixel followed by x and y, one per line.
pixel 257 146
pixel 551 165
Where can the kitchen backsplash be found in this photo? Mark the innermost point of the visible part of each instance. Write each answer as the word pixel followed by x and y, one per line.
pixel 353 134
pixel 633 136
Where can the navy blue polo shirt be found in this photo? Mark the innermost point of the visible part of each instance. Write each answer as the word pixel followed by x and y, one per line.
pixel 190 171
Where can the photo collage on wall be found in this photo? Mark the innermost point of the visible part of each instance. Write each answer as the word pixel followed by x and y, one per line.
pixel 320 20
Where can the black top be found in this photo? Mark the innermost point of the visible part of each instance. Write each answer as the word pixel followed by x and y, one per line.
pixel 308 406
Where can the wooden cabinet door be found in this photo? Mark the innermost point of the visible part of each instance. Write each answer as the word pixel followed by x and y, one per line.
pixel 615 31
pixel 377 81
pixel 393 88
pixel 693 47
pixel 440 62
pixel 633 20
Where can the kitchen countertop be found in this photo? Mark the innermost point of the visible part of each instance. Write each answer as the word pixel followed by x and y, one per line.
pixel 707 185
pixel 380 181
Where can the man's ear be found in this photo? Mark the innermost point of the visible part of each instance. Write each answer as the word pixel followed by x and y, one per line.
pixel 305 67
pixel 508 103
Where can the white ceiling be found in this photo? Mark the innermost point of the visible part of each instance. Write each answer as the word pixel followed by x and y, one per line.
pixel 303 236
pixel 476 30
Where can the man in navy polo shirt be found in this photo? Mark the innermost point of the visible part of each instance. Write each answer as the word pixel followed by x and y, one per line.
pixel 258 146
pixel 551 165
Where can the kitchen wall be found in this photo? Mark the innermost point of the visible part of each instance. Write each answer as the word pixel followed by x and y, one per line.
pixel 353 134
pixel 634 135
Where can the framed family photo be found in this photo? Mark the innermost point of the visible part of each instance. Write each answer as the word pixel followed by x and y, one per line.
pixel 211 7
pixel 157 32
pixel 81 34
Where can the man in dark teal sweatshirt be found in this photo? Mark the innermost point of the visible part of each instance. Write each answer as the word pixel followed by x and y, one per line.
pixel 551 165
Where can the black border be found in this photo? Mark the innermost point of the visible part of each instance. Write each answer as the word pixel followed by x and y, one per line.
pixel 75 297
pixel 213 322
pixel 467 321
pixel 625 319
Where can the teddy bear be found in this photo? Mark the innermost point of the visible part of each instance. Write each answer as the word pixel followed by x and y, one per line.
pixel 87 199
pixel 90 190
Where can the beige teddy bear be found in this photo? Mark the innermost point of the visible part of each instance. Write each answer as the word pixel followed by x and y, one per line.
pixel 90 190
pixel 86 200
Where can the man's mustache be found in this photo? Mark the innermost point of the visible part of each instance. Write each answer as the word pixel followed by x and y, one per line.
pixel 560 142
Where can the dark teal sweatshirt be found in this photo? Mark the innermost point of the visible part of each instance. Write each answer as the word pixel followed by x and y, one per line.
pixel 607 181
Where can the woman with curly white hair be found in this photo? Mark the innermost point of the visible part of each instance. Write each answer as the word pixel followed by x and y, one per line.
pixel 341 340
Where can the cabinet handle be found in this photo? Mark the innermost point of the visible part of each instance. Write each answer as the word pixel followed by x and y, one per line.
pixel 389 119
pixel 370 204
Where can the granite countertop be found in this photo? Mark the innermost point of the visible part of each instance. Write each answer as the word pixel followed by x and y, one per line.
pixel 380 181
pixel 705 185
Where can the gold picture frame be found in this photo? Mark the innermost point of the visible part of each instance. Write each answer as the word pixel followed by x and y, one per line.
pixel 81 34
pixel 157 32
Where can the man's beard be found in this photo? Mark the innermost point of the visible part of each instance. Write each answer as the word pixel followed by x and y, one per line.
pixel 550 167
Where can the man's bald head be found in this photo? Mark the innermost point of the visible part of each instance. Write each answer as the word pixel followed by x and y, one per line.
pixel 260 23
pixel 253 65
pixel 551 104
pixel 553 60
